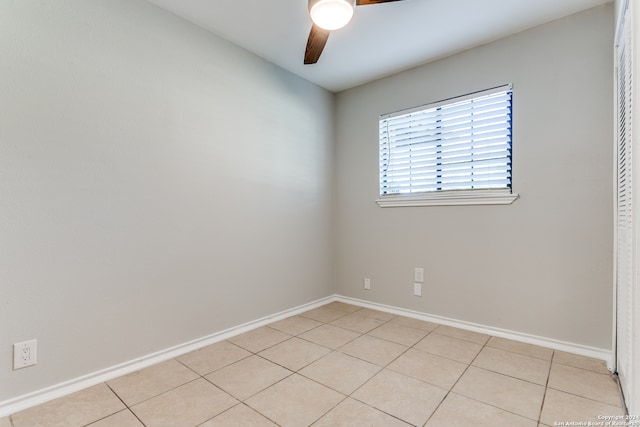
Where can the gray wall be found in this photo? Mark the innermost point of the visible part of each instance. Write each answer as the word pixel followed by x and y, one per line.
pixel 541 266
pixel 157 185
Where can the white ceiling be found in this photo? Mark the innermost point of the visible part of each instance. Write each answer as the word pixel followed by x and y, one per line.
pixel 381 39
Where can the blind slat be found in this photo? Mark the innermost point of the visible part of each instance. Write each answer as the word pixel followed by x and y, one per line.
pixel 445 121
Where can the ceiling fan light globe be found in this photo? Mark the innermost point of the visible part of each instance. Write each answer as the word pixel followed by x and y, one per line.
pixel 331 14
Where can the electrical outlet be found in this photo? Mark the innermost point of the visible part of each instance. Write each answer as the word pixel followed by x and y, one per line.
pixel 417 289
pixel 367 283
pixel 418 275
pixel 24 354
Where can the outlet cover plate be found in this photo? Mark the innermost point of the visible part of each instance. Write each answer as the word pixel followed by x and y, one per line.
pixel 417 289
pixel 418 275
pixel 367 283
pixel 25 354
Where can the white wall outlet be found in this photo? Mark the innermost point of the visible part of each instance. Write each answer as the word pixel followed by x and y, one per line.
pixel 417 289
pixel 25 354
pixel 367 283
pixel 418 275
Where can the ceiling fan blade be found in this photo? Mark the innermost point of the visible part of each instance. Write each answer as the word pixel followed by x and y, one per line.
pixel 315 45
pixel 366 2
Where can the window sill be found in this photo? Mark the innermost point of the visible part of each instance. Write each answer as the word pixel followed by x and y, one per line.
pixel 449 198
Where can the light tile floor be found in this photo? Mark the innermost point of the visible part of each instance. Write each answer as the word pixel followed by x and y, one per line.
pixel 341 365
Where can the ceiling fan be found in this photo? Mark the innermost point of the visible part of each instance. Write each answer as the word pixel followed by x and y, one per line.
pixel 329 15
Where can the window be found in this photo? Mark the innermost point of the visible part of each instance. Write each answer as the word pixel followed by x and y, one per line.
pixel 451 152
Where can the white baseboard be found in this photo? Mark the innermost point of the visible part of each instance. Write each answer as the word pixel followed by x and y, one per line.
pixel 38 397
pixel 583 350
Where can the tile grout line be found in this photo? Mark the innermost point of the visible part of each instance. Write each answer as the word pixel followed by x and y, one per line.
pixel 386 367
pixel 586 398
pixel 127 407
pixel 243 401
pixel 333 349
pixel 297 372
pixel 350 395
pixel 499 373
pixel 450 388
pixel 269 346
pixel 522 354
pixel 255 410
pixel 311 379
pixel 610 375
pixel 457 381
pixel 502 373
pixel 546 388
pixel 223 412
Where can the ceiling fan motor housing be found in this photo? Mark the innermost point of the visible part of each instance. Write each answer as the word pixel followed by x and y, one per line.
pixel 331 14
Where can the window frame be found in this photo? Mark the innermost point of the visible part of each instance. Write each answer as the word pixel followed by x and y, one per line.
pixel 469 196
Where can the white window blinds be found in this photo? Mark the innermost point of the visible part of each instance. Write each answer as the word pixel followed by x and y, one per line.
pixel 627 341
pixel 462 143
